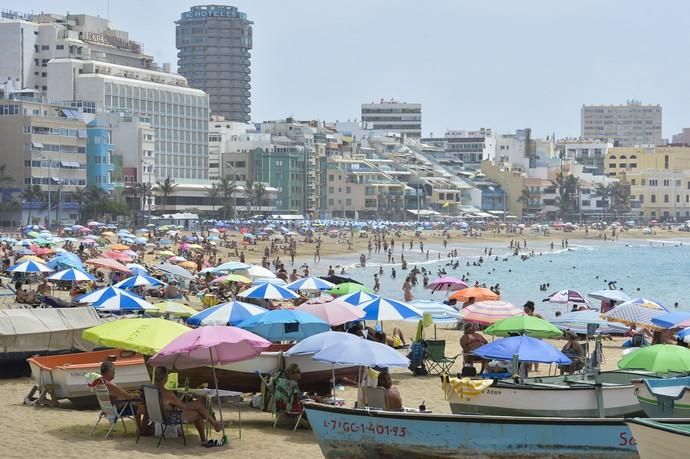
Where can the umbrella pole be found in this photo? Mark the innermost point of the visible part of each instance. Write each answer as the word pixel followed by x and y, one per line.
pixel 333 373
pixel 215 380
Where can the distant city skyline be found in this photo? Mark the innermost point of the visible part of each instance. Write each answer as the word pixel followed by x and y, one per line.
pixel 499 64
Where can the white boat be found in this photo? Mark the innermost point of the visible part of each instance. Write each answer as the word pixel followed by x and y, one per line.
pixel 664 398
pixel 610 395
pixel 659 440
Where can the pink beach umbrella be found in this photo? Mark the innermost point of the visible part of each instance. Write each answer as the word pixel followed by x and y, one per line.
pixel 334 312
pixel 119 256
pixel 446 283
pixel 212 345
pixel 489 312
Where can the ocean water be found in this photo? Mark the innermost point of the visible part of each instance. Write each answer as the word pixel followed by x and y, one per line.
pixel 659 269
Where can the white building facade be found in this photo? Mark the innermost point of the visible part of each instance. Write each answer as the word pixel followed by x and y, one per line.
pixel 624 125
pixel 393 116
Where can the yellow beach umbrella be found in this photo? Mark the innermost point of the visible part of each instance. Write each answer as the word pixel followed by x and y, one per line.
pixel 31 258
pixel 176 309
pixel 187 264
pixel 108 233
pixel 119 247
pixel 146 336
pixel 166 253
pixel 195 246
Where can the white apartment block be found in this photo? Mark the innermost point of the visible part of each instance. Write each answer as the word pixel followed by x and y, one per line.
pixel 178 114
pixel 228 138
pixel 590 154
pixel 393 116
pixel 469 147
pixel 624 125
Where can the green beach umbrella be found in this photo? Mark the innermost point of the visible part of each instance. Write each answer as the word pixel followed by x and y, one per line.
pixel 146 336
pixel 659 358
pixel 349 287
pixel 33 234
pixel 524 325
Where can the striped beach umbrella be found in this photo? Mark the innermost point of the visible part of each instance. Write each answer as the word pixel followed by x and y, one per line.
pixel 139 280
pixel 310 284
pixel 387 309
pixel 357 298
pixel 230 313
pixel 268 291
pixel 30 267
pixel 566 296
pixel 72 274
pixel 117 300
pixel 232 266
pixel 638 312
pixel 489 312
pixel 446 283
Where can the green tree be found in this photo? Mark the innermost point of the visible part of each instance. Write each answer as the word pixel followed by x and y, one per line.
pixel 32 193
pixel 620 197
pixel 227 187
pixel 166 188
pixel 80 196
pixel 249 194
pixel 527 198
pixel 603 192
pixel 5 180
pixel 260 194
pixel 213 194
pixel 566 186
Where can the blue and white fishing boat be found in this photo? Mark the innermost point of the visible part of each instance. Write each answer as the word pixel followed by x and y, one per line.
pixel 346 433
pixel 660 440
pixel 664 398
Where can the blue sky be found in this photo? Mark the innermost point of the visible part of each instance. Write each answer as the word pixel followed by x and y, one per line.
pixel 490 63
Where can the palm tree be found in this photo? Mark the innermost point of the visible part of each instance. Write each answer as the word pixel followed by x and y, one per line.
pixel 95 196
pixel 249 192
pixel 260 193
pixel 32 194
pixel 80 197
pixel 227 189
pixel 567 186
pixel 213 194
pixel 166 188
pixel 620 196
pixel 603 192
pixel 4 181
pixel 527 197
pixel 146 191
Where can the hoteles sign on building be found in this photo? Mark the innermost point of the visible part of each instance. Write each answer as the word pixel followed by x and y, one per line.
pixel 105 39
pixel 213 11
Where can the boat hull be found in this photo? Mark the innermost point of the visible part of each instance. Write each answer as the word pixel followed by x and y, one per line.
pixel 343 432
pixel 658 441
pixel 674 405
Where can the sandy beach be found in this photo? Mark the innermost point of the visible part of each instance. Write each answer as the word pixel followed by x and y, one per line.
pixel 29 432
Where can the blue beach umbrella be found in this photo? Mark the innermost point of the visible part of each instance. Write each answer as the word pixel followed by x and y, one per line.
pixel 310 284
pixel 526 348
pixel 317 343
pixel 285 325
pixel 357 298
pixel 670 319
pixel 362 352
pixel 66 260
pixel 139 280
pixel 232 266
pixel 230 313
pixel 387 309
pixel 272 280
pixel 30 267
pixel 71 274
pixel 268 291
pixel 113 299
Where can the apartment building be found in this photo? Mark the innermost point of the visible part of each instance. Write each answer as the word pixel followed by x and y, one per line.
pixel 623 125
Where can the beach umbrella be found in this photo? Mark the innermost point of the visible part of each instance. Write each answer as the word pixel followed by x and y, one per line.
pixel 260 271
pixel 166 253
pixel 188 265
pixel 339 279
pixel 660 358
pixel 72 274
pixel 29 267
pixel 440 312
pixel 580 321
pixel 317 343
pixel 388 309
pixel 232 266
pixel 214 345
pixel 176 259
pixel 524 325
pixel 671 319
pixel 349 287
pixel 66 260
pixel 526 348
pixel 683 324
pixel 116 300
pixel 146 336
pixel 566 296
pixel 230 313
pixel 174 270
pixel 310 284
pixel 617 296
pixel 268 291
pixel 33 258
pixel 108 263
pixel 446 283
pixel 139 280
pixel 232 278
pixel 285 325
pixel 176 309
pixel 334 312
pixel 136 267
pixel 119 246
pixel 274 281
pixel 638 312
pixel 478 293
pixel 489 312
pixel 362 352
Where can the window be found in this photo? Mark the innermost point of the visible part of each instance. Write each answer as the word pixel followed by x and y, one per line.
pixel 641 199
pixel 348 189
pixel 653 198
pixel 665 198
pixel 330 202
pixel 60 47
pixel 665 161
pixel 612 165
pixel 45 47
pixel 348 202
pixel 279 163
pixel 632 182
pixel 667 182
pixel 677 198
pixel 331 178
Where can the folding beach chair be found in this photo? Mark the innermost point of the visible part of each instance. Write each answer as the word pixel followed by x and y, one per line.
pixel 284 404
pixel 375 398
pixel 112 411
pixel 156 413
pixel 436 360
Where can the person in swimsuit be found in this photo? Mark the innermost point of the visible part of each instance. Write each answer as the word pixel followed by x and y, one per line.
pixel 469 342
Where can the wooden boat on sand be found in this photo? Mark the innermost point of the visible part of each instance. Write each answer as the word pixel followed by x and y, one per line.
pixel 660 440
pixel 361 433
pixel 664 398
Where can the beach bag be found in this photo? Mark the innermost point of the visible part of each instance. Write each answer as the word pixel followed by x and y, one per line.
pixel 468 371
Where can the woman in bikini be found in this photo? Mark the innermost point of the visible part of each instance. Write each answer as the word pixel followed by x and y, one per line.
pixel 469 342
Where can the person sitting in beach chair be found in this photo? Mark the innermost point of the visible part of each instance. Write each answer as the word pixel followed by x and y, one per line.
pixel 393 398
pixel 396 340
pixel 127 403
pixel 469 342
pixel 287 396
pixel 574 351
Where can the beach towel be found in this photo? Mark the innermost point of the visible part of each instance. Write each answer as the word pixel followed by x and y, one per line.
pixel 465 387
pixel 93 379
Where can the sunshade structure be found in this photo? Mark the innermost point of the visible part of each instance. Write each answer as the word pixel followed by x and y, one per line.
pixel 146 336
pixel 658 358
pixel 117 300
pixel 489 312
pixel 388 309
pixel 337 280
pixel 118 246
pixel 638 312
pixel 139 280
pixel 268 291
pixel 73 275
pixel 175 271
pixel 334 312
pixel 30 267
pixel 524 325
pixel 440 312
pixel 119 256
pixel 108 263
pixel 310 284
pixel 526 349
pixel 215 345
pixel 232 278
pixel 230 313
pixel 256 272
pixel 175 309
pixel 232 266
pixel 672 319
pixel 362 352
pixel 478 293
pixel 583 322
pixel 446 283
pixel 317 343
pixel 65 260
pixel 357 298
pixel 349 287
pixel 616 296
pixel 285 325
pixel 566 296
